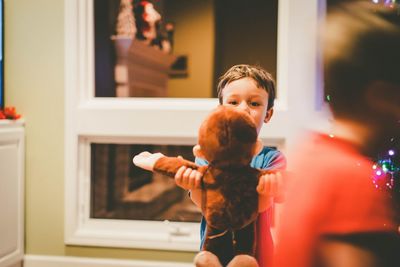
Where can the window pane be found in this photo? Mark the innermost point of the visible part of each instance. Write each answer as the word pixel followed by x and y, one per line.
pixel 193 43
pixel 120 190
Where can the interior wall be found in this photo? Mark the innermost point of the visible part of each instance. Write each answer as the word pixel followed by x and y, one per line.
pixel 257 20
pixel 34 84
pixel 194 37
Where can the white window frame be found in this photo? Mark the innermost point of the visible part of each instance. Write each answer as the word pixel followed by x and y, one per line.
pixel 166 121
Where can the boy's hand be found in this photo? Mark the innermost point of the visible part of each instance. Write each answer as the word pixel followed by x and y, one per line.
pixel 147 160
pixel 188 178
pixel 271 185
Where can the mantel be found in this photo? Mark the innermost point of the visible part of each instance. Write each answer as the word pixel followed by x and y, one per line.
pixel 9 124
pixel 141 70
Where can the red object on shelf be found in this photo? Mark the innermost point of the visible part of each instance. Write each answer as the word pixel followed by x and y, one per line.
pixel 9 113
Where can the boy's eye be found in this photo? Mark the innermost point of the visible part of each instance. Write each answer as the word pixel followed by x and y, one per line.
pixel 255 104
pixel 232 102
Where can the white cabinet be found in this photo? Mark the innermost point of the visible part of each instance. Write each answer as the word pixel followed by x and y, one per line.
pixel 11 193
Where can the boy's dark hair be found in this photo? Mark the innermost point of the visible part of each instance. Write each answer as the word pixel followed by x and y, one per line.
pixel 262 78
pixel 361 46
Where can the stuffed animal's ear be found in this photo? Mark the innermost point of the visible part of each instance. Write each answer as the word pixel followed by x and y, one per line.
pixel 197 152
pixel 258 147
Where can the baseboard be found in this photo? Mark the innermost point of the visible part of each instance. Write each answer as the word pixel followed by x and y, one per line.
pixel 18 264
pixel 65 261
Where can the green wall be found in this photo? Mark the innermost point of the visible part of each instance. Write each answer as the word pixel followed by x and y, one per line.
pixel 34 80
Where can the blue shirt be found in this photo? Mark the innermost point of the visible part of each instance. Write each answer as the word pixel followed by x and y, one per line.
pixel 269 158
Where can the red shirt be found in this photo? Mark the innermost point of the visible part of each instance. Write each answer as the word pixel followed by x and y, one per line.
pixel 331 192
pixel 265 245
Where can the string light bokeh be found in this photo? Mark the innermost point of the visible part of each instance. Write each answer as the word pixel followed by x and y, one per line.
pixel 385 171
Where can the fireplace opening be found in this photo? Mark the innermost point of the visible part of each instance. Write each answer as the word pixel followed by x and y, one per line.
pixel 120 190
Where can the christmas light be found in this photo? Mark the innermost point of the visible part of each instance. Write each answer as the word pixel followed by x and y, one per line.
pixel 386 3
pixel 386 170
pixel 328 98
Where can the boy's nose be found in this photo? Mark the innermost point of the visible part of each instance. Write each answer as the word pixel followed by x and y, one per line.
pixel 244 106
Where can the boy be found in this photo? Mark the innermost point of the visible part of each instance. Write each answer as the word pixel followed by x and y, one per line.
pixel 333 215
pixel 251 89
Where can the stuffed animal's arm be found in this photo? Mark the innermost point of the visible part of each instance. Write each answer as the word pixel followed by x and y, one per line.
pixel 157 162
pixel 170 165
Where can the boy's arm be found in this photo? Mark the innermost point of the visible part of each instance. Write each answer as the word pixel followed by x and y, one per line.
pixel 190 179
pixel 196 193
pixel 271 187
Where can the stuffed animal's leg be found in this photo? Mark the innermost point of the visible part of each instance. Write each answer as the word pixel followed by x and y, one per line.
pixel 220 243
pixel 206 259
pixel 245 240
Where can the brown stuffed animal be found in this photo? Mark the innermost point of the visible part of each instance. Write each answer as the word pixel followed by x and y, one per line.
pixel 228 141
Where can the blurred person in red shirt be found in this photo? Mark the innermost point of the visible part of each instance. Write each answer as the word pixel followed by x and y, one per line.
pixel 333 215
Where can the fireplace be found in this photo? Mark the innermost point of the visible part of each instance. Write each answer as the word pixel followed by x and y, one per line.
pixel 120 190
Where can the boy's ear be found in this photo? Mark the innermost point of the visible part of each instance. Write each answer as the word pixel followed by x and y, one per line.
pixel 258 147
pixel 268 115
pixel 384 98
pixel 197 152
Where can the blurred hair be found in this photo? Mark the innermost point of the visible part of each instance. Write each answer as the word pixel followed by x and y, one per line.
pixel 361 46
pixel 362 249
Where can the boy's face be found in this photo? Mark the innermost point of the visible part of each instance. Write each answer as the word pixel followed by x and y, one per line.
pixel 245 95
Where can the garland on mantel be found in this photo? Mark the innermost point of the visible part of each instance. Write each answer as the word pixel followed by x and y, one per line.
pixel 9 113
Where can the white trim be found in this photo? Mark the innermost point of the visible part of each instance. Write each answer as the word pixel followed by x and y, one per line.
pixel 61 261
pixel 282 60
